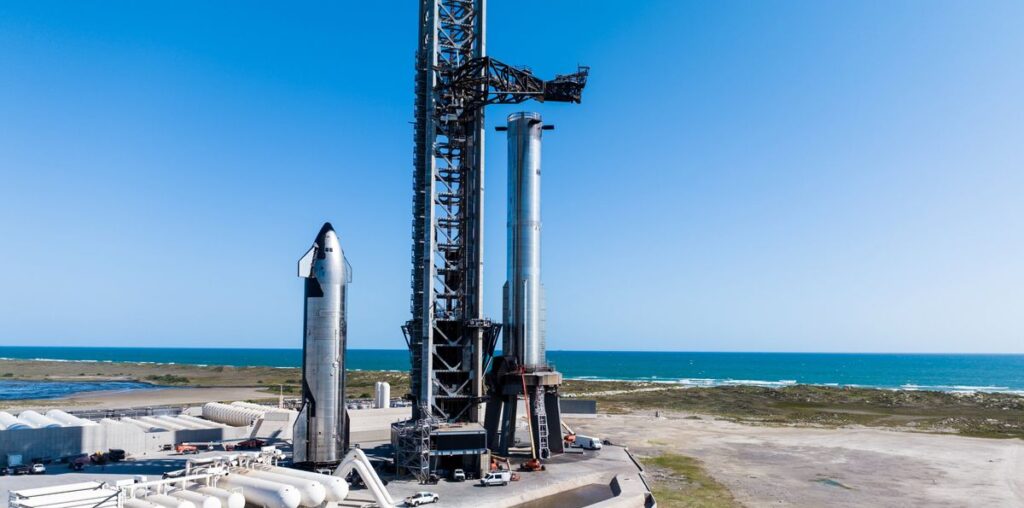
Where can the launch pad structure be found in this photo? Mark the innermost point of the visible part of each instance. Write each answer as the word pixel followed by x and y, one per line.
pixel 450 341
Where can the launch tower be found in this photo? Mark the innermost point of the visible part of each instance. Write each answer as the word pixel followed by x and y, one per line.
pixel 450 340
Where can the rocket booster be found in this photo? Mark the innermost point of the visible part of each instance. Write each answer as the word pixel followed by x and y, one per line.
pixel 321 433
pixel 524 312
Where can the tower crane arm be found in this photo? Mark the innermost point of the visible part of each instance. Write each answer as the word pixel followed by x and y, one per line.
pixel 482 81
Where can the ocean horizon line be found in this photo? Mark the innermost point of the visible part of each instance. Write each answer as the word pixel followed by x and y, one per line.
pixel 681 351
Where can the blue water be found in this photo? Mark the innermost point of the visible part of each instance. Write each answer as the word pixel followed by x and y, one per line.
pixel 910 371
pixel 23 390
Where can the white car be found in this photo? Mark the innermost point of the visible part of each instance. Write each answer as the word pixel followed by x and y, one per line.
pixel 421 498
pixel 38 469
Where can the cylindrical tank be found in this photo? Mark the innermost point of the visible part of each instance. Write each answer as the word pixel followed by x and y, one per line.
pixel 227 498
pixel 524 293
pixel 37 420
pixel 168 501
pixel 197 498
pixel 201 421
pixel 336 487
pixel 231 415
pixel 381 394
pixel 139 503
pixel 262 492
pixel 157 422
pixel 312 492
pixel 68 420
pixel 145 426
pixel 10 422
pixel 181 422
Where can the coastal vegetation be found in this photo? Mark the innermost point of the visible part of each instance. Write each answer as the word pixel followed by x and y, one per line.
pixel 994 415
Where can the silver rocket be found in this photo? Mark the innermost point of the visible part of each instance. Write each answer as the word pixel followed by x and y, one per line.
pixel 320 435
pixel 524 294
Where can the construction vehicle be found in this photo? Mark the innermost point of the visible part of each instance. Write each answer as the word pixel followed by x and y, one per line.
pixel 186 449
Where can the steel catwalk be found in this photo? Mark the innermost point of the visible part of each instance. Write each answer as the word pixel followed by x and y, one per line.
pixel 321 430
pixel 524 292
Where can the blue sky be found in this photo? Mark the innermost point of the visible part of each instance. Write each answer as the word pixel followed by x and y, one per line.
pixel 769 176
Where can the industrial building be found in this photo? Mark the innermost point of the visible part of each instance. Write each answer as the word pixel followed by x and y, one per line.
pixel 34 437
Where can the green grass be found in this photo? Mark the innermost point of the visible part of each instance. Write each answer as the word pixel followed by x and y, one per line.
pixel 680 481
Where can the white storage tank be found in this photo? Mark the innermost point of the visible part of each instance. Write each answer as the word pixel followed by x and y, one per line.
pixel 231 415
pixel 200 421
pixel 139 503
pixel 381 394
pixel 336 487
pixel 262 492
pixel 146 427
pixel 168 501
pixel 37 420
pixel 312 492
pixel 10 422
pixel 228 499
pixel 68 420
pixel 164 424
pixel 197 498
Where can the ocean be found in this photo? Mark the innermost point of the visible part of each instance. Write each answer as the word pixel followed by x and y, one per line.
pixel 944 372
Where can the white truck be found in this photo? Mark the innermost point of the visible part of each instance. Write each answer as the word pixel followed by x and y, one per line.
pixel 496 478
pixel 586 442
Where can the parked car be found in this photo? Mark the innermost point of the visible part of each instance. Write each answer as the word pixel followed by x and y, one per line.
pixel 37 468
pixel 4 471
pixel 496 478
pixel 421 498
pixel 20 469
pixel 458 475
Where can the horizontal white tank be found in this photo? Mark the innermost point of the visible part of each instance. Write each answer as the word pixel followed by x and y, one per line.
pixel 182 423
pixel 261 492
pixel 168 501
pixel 198 499
pixel 139 503
pixel 156 422
pixel 231 415
pixel 37 420
pixel 337 488
pixel 381 394
pixel 228 499
pixel 260 407
pixel 145 426
pixel 313 493
pixel 10 422
pixel 201 421
pixel 68 420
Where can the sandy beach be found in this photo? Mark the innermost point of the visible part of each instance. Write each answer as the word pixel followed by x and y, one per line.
pixel 143 398
pixel 847 466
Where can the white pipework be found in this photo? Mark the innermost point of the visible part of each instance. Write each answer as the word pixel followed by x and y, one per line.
pixel 356 459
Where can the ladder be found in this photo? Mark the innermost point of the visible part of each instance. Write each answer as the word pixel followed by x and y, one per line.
pixel 542 423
